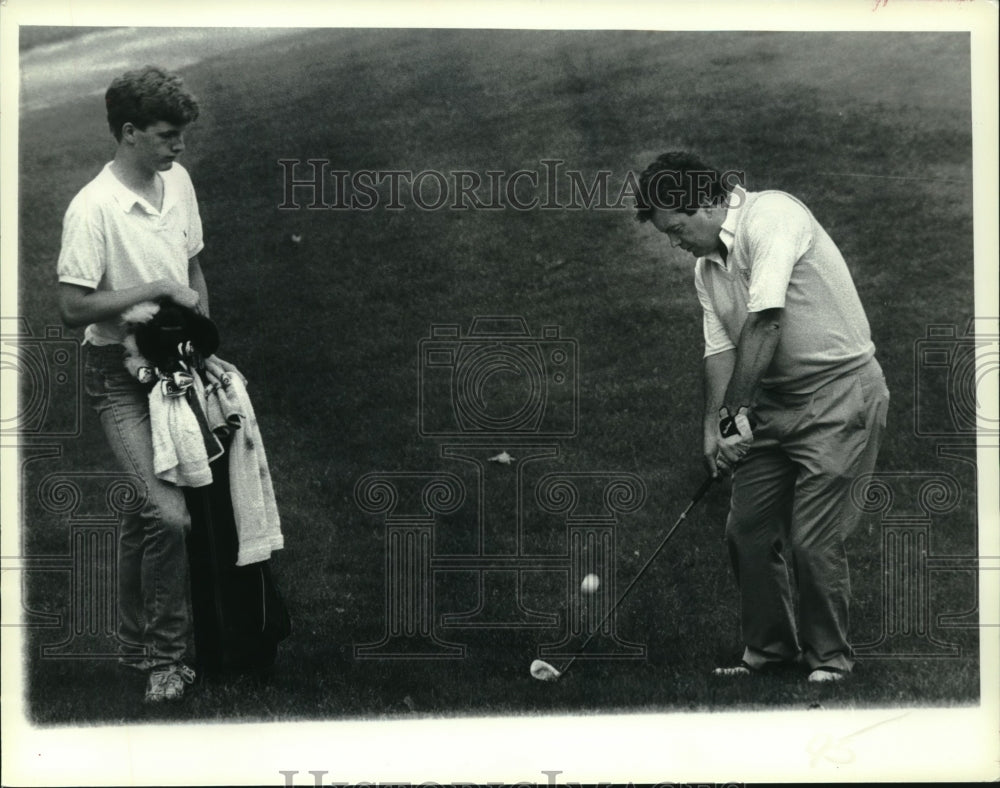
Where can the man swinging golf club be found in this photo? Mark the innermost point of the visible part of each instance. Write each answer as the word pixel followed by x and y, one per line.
pixel 787 343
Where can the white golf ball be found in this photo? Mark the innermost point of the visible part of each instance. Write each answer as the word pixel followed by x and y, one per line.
pixel 590 584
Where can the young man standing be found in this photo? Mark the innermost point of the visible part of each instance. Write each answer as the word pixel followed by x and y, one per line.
pixel 787 343
pixel 133 234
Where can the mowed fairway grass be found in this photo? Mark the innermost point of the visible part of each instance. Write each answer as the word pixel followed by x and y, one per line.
pixel 873 132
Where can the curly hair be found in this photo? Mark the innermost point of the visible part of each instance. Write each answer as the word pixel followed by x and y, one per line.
pixel 679 181
pixel 148 95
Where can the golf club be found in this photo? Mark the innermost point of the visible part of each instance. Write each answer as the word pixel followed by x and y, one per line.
pixel 542 670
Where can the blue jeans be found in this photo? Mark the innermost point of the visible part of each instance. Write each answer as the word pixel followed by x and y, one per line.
pixel 153 571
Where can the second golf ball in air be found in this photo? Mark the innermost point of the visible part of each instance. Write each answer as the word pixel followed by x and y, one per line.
pixel 590 584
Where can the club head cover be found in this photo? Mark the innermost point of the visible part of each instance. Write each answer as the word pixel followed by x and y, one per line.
pixel 173 331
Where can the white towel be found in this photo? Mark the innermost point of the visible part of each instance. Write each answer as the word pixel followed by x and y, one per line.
pixel 258 525
pixel 180 455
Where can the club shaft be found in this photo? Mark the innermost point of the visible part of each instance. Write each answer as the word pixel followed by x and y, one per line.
pixel 699 494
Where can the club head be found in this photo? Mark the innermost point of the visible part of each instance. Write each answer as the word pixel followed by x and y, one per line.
pixel 543 671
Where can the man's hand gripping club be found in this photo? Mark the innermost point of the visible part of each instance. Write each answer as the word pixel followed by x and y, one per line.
pixel 731 441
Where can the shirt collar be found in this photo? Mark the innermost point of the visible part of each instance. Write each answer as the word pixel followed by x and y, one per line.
pixel 126 198
pixel 727 233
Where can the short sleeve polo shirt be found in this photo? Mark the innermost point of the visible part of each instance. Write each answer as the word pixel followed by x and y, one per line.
pixel 113 239
pixel 780 257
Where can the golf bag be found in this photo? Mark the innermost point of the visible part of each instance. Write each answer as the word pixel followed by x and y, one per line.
pixel 239 615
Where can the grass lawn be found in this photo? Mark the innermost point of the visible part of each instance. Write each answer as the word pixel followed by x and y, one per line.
pixel 873 132
pixel 36 36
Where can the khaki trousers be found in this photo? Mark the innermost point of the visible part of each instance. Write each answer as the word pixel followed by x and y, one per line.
pixel 791 498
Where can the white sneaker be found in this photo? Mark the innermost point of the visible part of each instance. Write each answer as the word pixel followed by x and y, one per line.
pixel 167 683
pixel 736 671
pixel 827 674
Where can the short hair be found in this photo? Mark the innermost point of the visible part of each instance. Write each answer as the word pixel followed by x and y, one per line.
pixel 148 95
pixel 679 181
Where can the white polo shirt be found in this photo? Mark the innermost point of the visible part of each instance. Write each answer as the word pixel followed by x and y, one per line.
pixel 113 239
pixel 780 257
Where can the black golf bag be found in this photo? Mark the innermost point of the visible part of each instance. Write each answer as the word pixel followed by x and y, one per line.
pixel 239 615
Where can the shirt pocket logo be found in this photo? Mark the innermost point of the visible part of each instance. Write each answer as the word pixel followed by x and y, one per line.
pixel 173 228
